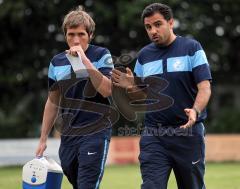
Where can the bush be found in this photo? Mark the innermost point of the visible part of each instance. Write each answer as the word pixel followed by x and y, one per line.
pixel 225 121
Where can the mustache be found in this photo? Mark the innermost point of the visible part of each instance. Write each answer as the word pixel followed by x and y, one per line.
pixel 155 36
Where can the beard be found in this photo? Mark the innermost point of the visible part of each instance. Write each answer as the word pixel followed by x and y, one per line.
pixel 161 41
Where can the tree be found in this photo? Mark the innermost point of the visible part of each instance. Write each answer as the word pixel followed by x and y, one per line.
pixel 31 34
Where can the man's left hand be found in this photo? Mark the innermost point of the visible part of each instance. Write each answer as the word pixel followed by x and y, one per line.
pixel 192 118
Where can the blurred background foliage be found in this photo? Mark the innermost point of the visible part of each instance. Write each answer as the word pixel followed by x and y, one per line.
pixel 31 35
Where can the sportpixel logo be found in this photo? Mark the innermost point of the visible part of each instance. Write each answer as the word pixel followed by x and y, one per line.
pixel 109 113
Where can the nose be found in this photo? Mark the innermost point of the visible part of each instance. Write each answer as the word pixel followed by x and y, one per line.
pixel 153 31
pixel 76 40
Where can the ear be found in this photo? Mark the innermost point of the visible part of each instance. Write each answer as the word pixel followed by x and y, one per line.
pixel 171 22
pixel 90 37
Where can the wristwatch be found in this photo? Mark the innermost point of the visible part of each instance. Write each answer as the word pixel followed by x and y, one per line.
pixel 198 112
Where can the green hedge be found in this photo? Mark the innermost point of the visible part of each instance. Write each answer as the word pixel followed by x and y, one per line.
pixel 226 120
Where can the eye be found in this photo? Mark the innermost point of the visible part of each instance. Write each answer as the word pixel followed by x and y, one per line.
pixel 82 34
pixel 158 24
pixel 70 34
pixel 148 27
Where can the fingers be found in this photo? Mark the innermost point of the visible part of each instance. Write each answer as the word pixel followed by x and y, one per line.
pixel 40 150
pixel 117 75
pixel 129 72
pixel 75 50
pixel 116 72
pixel 191 118
pixel 39 153
pixel 189 124
pixel 73 53
pixel 187 111
pixel 122 79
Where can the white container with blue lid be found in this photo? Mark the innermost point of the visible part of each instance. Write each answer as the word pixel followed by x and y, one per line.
pixel 42 173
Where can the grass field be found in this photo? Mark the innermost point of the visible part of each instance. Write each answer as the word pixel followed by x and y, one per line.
pixel 218 176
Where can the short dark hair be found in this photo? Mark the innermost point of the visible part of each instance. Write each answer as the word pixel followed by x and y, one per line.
pixel 163 9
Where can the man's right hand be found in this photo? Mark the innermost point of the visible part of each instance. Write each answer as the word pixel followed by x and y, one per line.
pixel 121 79
pixel 41 148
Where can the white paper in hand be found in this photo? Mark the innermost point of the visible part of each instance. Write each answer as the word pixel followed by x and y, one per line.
pixel 77 65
